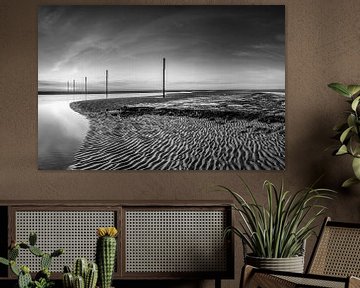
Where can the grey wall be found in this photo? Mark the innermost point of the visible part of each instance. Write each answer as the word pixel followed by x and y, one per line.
pixel 322 46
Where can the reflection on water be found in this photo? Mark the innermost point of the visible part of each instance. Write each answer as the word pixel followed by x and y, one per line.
pixel 61 130
pixel 60 133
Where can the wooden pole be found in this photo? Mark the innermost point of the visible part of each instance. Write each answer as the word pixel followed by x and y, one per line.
pixel 68 87
pixel 85 88
pixel 107 79
pixel 74 86
pixel 164 67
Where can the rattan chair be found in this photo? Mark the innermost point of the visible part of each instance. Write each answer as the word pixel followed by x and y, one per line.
pixel 334 263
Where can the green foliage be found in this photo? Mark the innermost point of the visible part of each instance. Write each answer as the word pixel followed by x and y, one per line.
pixel 24 280
pixel 68 280
pixel 279 229
pixel 14 268
pixel 42 278
pixel 13 253
pixel 32 238
pixel 348 132
pixel 36 251
pixel 79 282
pixel 105 259
pixel 45 261
pixel 43 283
pixel 91 275
pixel 44 273
pixel 84 275
pixel 4 261
pixel 80 267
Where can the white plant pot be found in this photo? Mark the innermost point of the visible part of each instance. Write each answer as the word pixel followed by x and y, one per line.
pixel 291 264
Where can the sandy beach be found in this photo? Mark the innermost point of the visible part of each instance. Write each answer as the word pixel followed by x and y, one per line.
pixel 214 130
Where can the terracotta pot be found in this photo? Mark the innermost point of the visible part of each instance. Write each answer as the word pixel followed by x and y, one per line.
pixel 291 264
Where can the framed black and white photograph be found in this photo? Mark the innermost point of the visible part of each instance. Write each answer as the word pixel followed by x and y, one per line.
pixel 161 87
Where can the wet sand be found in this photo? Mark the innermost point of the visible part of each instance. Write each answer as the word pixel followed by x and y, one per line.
pixel 200 131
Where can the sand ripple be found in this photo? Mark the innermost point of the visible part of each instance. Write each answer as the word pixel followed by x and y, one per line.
pixel 154 142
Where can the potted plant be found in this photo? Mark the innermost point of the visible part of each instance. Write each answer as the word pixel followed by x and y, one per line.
pixel 42 278
pixel 276 233
pixel 106 254
pixel 84 274
pixel 348 133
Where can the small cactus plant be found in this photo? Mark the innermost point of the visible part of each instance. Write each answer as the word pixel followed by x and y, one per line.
pixel 106 254
pixel 81 267
pixel 79 282
pixel 85 275
pixel 91 276
pixel 42 278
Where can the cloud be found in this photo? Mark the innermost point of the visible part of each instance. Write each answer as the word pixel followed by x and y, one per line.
pixel 199 42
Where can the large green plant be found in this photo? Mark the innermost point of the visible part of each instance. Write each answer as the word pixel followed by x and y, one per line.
pixel 279 229
pixel 42 278
pixel 349 131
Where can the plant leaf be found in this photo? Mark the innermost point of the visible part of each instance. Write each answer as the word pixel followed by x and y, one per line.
pixel 354 144
pixel 340 88
pixel 279 228
pixel 355 103
pixel 353 89
pixel 356 167
pixel 342 150
pixel 345 134
pixel 351 120
pixel 349 182
pixel 4 261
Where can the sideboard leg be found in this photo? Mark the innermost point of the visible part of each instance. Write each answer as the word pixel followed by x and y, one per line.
pixel 217 283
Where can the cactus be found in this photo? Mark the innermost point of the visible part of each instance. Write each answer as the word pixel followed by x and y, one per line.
pixel 24 245
pixel 42 278
pixel 79 282
pixel 44 273
pixel 91 276
pixel 13 253
pixel 67 269
pixel 14 268
pixel 80 267
pixel 105 255
pixel 45 261
pixel 90 272
pixel 57 253
pixel 32 238
pixel 68 280
pixel 24 277
pixel 36 251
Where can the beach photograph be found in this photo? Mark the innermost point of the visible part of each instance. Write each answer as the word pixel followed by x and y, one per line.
pixel 158 87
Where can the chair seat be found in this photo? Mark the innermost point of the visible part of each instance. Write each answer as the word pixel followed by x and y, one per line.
pixel 267 279
pixel 315 282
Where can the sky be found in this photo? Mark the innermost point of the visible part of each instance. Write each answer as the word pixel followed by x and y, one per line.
pixel 206 47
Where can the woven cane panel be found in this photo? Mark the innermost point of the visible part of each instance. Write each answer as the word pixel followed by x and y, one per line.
pixel 339 252
pixel 175 241
pixel 308 282
pixel 74 231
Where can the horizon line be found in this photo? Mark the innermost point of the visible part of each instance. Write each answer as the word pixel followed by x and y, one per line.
pixel 52 92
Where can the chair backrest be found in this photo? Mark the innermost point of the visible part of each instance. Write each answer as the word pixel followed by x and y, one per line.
pixel 337 251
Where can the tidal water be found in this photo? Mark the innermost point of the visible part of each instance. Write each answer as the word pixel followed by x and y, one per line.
pixel 61 130
pixel 60 133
